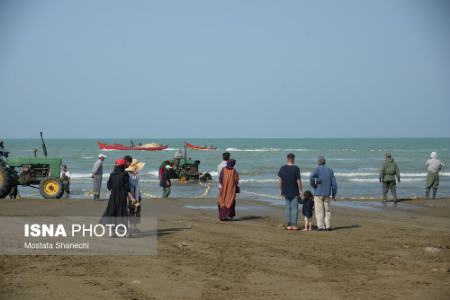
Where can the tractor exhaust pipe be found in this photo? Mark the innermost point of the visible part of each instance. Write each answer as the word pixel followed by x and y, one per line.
pixel 44 148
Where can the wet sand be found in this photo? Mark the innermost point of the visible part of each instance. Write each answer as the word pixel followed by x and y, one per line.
pixel 385 253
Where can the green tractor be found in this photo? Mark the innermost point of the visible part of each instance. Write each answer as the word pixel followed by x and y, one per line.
pixel 37 172
pixel 185 169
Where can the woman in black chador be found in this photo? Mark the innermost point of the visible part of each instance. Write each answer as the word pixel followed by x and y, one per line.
pixel 116 212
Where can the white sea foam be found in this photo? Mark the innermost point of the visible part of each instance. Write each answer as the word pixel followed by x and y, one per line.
pixel 376 180
pixel 214 173
pixel 87 157
pixel 264 150
pixel 154 173
pixel 170 149
pixel 355 174
pixel 364 180
pixel 252 150
pixel 258 180
pixel 422 174
pixel 85 175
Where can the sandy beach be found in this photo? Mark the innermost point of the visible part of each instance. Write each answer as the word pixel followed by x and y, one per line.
pixel 388 253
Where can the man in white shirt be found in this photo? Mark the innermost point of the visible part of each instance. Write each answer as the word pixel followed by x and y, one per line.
pixel 434 166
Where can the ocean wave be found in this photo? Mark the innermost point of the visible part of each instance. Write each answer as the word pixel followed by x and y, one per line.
pixel 364 180
pixel 258 180
pixel 355 174
pixel 85 175
pixel 264 150
pixel 423 174
pixel 170 149
pixel 87 157
pixel 154 173
pixel 252 150
pixel 376 180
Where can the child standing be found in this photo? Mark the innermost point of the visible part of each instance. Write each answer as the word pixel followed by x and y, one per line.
pixel 307 209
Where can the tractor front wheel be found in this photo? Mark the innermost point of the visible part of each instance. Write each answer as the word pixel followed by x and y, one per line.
pixel 5 181
pixel 51 188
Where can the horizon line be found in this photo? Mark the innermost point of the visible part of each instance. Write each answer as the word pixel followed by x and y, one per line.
pixel 217 138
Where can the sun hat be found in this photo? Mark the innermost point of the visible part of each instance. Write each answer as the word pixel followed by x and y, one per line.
pixel 433 155
pixel 101 155
pixel 135 166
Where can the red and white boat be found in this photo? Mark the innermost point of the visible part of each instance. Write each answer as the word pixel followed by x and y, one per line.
pixel 120 147
pixel 205 148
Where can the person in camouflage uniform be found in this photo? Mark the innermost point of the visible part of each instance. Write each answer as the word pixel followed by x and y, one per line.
pixel 389 172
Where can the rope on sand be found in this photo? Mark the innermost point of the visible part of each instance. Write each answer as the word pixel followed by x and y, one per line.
pixel 205 193
pixel 149 195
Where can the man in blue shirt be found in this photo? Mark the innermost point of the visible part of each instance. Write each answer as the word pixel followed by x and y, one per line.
pixel 324 183
pixel 290 187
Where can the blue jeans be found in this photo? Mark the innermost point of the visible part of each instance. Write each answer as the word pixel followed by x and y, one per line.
pixel 291 207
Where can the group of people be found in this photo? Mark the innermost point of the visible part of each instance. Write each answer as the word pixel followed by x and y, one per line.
pixel 323 182
pixel 390 175
pixel 322 179
pixel 124 204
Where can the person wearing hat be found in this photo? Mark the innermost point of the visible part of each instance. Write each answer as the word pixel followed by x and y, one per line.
pixel 134 207
pixel 388 172
pixel 164 180
pixel 97 176
pixel 116 211
pixel 434 166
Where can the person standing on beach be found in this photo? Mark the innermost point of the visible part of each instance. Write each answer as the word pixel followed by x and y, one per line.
pixel 3 152
pixel 128 160
pixel 223 163
pixel 324 183
pixel 134 208
pixel 290 189
pixel 388 172
pixel 118 183
pixel 228 186
pixel 307 209
pixel 97 176
pixel 65 180
pixel 434 166
pixel 164 180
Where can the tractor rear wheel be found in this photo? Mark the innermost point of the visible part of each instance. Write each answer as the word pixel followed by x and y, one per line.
pixel 51 188
pixel 5 181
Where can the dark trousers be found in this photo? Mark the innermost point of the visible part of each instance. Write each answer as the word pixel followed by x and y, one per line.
pixel 166 192
pixel 389 185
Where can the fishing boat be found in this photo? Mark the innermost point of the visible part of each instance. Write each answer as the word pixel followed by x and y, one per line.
pixel 120 147
pixel 194 147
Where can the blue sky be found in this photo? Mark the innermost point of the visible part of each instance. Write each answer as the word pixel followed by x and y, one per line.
pixel 105 69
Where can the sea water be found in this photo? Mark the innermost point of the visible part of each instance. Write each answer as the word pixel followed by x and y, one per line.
pixel 356 163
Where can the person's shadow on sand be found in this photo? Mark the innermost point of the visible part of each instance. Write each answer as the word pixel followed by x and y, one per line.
pixel 346 227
